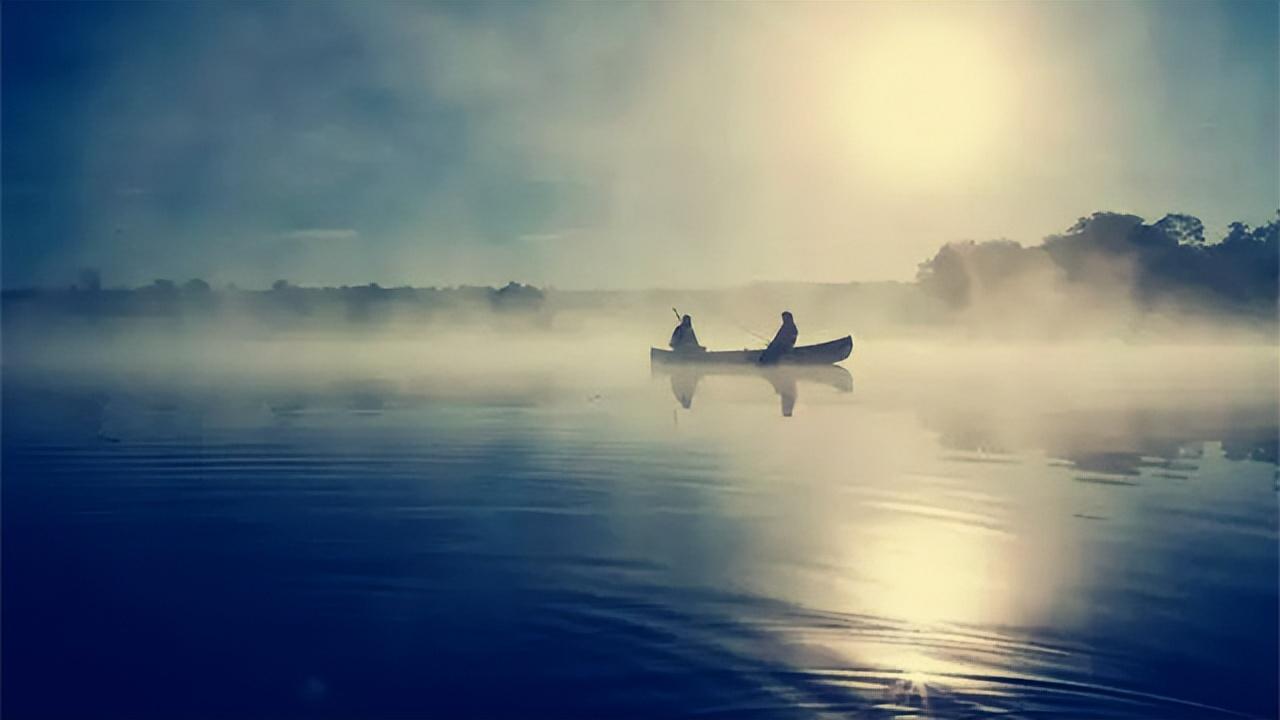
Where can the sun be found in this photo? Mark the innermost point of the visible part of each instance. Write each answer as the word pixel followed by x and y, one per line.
pixel 927 99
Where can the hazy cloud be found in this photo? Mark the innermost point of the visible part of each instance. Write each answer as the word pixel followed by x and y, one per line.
pixel 687 144
pixel 321 234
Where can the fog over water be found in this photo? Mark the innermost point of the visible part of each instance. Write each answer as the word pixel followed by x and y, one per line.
pixel 328 385
pixel 457 521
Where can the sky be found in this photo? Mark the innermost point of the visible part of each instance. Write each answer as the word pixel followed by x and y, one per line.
pixel 627 145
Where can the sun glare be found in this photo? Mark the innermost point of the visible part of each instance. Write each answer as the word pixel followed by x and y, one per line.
pixel 926 100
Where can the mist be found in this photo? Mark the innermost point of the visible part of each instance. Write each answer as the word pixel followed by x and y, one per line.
pixel 1109 278
pixel 610 147
pixel 339 376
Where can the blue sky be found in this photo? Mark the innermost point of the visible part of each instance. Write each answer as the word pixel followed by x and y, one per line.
pixel 593 145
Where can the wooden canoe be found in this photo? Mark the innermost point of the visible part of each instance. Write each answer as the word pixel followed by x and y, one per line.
pixel 826 353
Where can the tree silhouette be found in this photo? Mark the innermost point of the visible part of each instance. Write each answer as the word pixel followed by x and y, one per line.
pixel 1167 262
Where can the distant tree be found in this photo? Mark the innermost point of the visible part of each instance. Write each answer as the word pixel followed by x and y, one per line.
pixel 1245 266
pixel 195 286
pixel 514 296
pixel 1239 233
pixel 280 285
pixel 1167 262
pixel 1269 234
pixel 1183 229
pixel 945 275
pixel 365 303
pixel 1102 235
pixel 962 272
pixel 160 297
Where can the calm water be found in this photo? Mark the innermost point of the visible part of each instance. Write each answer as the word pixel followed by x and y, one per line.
pixel 575 542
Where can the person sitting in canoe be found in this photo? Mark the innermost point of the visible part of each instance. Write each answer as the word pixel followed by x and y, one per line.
pixel 683 339
pixel 782 342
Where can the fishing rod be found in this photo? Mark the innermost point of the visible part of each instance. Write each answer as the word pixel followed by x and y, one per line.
pixel 739 325
pixel 752 333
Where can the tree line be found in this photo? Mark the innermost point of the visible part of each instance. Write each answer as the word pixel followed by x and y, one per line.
pixel 1168 264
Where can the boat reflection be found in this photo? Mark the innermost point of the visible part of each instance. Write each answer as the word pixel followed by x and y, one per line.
pixel 685 379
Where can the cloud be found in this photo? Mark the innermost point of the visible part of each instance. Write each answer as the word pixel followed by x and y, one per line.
pixel 321 234
pixel 686 144
pixel 542 237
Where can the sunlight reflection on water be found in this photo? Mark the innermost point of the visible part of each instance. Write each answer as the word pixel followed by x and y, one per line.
pixel 392 546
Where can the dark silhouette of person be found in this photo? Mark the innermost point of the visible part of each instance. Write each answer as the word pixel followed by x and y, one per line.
pixel 683 338
pixel 782 342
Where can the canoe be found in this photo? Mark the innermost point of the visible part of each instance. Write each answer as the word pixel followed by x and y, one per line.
pixel 826 353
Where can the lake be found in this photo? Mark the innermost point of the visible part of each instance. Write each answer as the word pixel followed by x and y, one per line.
pixel 298 531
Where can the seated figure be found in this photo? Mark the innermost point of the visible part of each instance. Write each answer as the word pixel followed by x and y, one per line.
pixel 683 338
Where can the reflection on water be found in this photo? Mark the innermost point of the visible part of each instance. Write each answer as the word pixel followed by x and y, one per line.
pixel 550 544
pixel 684 379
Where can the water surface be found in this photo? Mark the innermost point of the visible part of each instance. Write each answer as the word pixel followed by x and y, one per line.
pixel 916 537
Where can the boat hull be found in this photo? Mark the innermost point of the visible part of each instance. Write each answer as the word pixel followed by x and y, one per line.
pixel 826 353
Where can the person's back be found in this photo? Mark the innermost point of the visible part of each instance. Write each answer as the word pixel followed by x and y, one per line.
pixel 683 338
pixel 783 341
